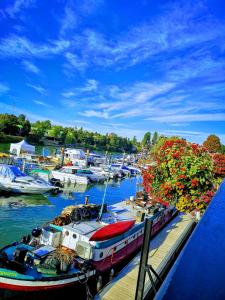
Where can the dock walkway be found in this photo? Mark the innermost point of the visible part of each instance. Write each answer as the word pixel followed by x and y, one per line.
pixel 163 248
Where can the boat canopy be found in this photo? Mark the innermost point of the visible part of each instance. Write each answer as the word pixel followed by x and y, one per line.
pixel 22 146
pixel 75 153
pixel 10 172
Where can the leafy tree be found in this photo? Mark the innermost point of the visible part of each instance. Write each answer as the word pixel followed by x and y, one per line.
pixel 212 144
pixel 24 125
pixel 70 139
pixel 155 138
pixel 40 128
pixel 8 124
pixel 56 132
pixel 146 141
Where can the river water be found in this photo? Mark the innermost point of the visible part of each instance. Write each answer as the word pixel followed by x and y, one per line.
pixel 19 214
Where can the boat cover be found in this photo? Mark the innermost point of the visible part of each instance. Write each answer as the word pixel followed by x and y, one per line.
pixel 10 172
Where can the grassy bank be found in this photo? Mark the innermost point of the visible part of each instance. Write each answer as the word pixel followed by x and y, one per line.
pixel 10 138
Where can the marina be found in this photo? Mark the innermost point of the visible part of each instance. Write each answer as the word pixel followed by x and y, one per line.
pixel 38 209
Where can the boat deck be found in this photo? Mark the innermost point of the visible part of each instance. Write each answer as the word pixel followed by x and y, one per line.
pixel 162 249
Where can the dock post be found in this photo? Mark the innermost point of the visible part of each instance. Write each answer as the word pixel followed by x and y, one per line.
pixel 144 267
pixel 62 156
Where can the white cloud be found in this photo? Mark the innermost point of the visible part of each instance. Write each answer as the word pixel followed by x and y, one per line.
pixel 68 94
pixel 91 85
pixel 75 62
pixel 29 66
pixel 69 20
pixel 21 47
pixel 69 103
pixel 38 88
pixel 42 103
pixel 94 113
pixel 198 117
pixel 18 6
pixel 4 88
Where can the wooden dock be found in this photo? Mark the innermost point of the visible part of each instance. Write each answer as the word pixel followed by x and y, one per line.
pixel 163 248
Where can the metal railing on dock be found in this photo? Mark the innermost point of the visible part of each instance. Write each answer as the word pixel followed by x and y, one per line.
pixel 163 249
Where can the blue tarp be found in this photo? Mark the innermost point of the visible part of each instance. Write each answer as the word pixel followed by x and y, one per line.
pixel 10 172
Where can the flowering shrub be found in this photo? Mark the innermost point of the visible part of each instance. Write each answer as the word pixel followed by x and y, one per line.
pixel 182 175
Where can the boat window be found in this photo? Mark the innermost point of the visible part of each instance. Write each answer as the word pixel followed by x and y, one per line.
pixel 67 233
pixel 134 236
pixel 22 182
pixel 101 254
pixel 74 171
pixel 74 236
pixel 114 249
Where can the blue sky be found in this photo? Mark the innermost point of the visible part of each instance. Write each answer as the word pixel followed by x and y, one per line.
pixel 116 65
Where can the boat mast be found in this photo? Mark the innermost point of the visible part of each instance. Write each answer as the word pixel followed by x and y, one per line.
pixel 103 200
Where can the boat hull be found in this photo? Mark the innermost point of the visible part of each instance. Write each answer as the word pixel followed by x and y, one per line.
pixel 130 244
pixel 42 285
pixel 19 190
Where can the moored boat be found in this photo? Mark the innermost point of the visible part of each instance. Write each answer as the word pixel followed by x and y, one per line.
pixel 14 181
pixel 66 251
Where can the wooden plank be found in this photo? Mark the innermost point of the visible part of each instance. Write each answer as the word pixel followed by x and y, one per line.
pixel 162 248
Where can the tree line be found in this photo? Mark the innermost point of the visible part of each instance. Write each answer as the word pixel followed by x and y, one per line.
pixel 11 125
pixel 20 126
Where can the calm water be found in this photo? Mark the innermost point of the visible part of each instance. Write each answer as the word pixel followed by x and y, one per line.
pixel 20 214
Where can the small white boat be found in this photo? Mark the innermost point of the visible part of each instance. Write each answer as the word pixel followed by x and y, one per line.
pixel 68 174
pixel 13 180
pixel 105 171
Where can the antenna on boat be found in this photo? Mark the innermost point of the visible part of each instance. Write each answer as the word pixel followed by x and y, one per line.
pixel 103 200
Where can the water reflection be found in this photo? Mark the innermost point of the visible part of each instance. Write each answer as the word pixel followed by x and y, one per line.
pixel 23 200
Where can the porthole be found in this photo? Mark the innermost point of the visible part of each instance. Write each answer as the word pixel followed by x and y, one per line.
pixel 134 236
pixel 125 242
pixel 101 254
pixel 114 249
pixel 74 236
pixel 67 233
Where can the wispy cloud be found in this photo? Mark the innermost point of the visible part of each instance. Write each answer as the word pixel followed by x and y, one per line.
pixel 90 86
pixel 18 6
pixel 75 62
pixel 42 103
pixel 68 94
pixel 21 47
pixel 178 28
pixel 198 117
pixel 29 66
pixel 68 103
pixel 69 20
pixel 38 88
pixel 94 113
pixel 4 88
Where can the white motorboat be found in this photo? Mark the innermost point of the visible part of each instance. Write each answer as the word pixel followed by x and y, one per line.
pixel 74 174
pixel 68 174
pixel 105 170
pixel 93 176
pixel 13 180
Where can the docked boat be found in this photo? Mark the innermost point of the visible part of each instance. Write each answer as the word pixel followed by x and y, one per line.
pixel 15 181
pixel 127 170
pixel 83 242
pixel 76 175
